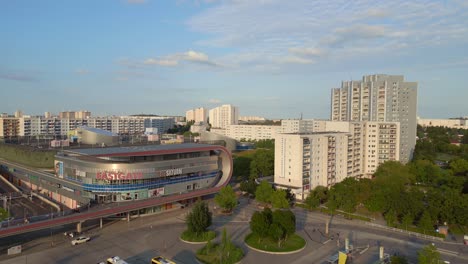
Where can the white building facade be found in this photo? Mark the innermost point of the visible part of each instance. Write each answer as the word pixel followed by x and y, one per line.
pixel 381 98
pixel 304 161
pixel 222 116
pixel 55 126
pixel 198 115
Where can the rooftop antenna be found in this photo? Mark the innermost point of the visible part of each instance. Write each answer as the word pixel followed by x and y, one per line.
pixel 301 116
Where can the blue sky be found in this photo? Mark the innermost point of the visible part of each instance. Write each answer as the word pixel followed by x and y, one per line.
pixel 272 58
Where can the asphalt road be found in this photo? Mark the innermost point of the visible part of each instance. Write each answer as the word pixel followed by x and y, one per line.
pixel 146 237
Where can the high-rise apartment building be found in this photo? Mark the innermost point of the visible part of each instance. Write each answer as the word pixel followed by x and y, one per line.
pixel 380 98
pixel 198 115
pixel 222 116
pixel 304 161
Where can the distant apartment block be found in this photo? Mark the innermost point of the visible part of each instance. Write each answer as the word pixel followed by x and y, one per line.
pixel 56 126
pixel 251 118
pixel 222 116
pixel 381 98
pixel 450 123
pixel 304 161
pixel 75 114
pixel 198 115
pixel 248 132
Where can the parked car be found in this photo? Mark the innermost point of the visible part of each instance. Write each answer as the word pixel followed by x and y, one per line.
pixel 80 240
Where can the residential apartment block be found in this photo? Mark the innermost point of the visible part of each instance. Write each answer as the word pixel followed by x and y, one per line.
pixel 251 118
pixel 304 161
pixel 56 126
pixel 198 115
pixel 75 114
pixel 222 116
pixel 380 98
pixel 450 123
pixel 248 132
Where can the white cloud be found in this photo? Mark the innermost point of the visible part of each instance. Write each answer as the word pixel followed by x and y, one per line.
pixel 161 62
pixel 276 31
pixel 214 101
pixel 195 56
pixel 175 59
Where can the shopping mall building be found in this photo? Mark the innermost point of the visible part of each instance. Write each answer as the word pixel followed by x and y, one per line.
pixel 122 174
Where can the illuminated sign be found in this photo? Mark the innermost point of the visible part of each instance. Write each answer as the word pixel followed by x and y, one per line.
pixel 171 172
pixel 115 175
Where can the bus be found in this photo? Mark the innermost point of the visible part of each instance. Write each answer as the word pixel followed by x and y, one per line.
pixel 161 260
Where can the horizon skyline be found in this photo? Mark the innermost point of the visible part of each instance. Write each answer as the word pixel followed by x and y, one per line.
pixel 270 58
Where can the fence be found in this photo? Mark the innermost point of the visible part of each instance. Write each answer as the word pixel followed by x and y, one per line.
pixel 410 233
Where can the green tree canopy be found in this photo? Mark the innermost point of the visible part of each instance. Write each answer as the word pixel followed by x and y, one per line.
pixel 398 260
pixel 249 186
pixel 262 164
pixel 264 192
pixel 226 198
pixel 260 222
pixel 278 199
pixel 428 255
pixel 199 219
pixel 286 219
pixel 425 221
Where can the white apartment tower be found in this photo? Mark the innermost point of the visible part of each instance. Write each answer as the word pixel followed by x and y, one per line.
pixel 380 98
pixel 222 116
pixel 198 115
pixel 304 161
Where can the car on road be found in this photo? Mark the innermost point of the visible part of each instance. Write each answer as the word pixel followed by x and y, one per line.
pixel 80 240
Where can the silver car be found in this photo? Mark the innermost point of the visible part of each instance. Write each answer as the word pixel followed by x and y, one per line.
pixel 80 240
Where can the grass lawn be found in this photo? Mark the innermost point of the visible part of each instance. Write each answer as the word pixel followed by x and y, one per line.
pixel 294 242
pixel 193 237
pixel 213 254
pixel 245 153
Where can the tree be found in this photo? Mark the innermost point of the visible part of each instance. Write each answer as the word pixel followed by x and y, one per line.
pixel 391 218
pixel 407 220
pixel 398 260
pixel 264 192
pixel 425 221
pixel 465 138
pixel 249 186
pixel 287 220
pixel 278 199
pixel 260 223
pixel 199 219
pixel 225 247
pixel 262 163
pixel 429 255
pixel 276 232
pixel 226 198
pixel 242 167
pixel 317 196
pixel 459 166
